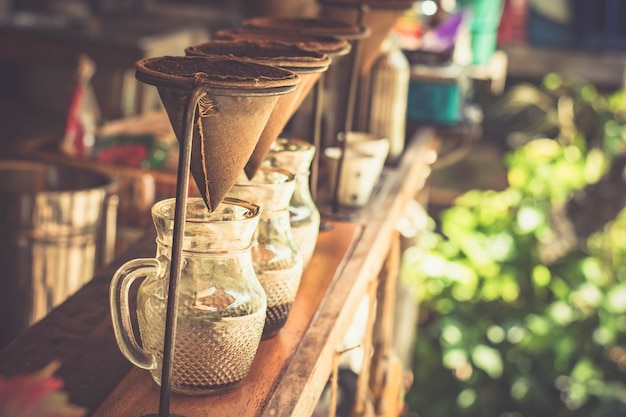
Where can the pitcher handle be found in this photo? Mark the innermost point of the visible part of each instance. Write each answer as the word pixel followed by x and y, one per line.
pixel 120 310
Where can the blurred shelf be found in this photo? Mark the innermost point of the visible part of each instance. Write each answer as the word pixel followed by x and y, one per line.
pixel 602 68
pixel 492 74
pixel 44 57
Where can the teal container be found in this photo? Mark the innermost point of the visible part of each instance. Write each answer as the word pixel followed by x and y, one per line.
pixel 486 14
pixel 484 23
pixel 483 44
pixel 436 94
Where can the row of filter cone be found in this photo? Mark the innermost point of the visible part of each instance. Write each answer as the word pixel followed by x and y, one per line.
pixel 253 80
pixel 228 100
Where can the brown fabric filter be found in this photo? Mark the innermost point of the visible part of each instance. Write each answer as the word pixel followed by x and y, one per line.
pixel 311 26
pixel 380 18
pixel 330 45
pixel 338 84
pixel 309 65
pixel 240 97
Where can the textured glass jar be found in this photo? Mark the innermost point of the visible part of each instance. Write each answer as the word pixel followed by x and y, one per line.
pixel 222 305
pixel 296 155
pixel 275 254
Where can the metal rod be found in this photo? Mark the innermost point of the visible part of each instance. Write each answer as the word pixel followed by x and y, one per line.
pixel 352 89
pixel 180 214
pixel 354 74
pixel 318 100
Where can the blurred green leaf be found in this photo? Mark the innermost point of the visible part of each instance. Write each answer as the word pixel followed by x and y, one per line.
pixel 488 359
pixel 549 339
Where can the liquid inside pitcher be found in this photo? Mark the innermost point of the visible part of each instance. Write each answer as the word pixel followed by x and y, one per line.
pixel 275 254
pixel 296 155
pixel 222 305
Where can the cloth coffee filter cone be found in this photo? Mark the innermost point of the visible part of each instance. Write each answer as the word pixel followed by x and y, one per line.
pixel 380 17
pixel 330 45
pixel 309 65
pixel 312 26
pixel 338 84
pixel 240 97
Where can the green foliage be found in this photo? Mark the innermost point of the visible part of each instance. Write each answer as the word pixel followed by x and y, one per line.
pixel 501 333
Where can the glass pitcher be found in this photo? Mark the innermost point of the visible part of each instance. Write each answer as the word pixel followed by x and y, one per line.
pixel 296 155
pixel 275 254
pixel 222 305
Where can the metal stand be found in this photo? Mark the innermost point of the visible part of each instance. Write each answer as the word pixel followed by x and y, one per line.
pixel 180 214
pixel 318 100
pixel 364 7
pixel 354 80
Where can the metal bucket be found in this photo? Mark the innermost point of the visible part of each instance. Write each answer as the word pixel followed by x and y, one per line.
pixel 57 225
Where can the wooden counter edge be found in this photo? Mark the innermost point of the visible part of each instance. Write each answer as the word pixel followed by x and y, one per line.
pixel 303 382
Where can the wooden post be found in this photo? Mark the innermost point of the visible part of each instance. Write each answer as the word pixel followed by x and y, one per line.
pixel 363 406
pixel 386 376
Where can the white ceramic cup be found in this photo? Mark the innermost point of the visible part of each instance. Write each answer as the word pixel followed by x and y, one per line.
pixel 361 168
pixel 369 144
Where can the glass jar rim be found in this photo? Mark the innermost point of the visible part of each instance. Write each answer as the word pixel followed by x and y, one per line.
pixel 246 210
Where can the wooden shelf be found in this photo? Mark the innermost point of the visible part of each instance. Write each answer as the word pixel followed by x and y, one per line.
pixel 47 58
pixel 290 371
pixel 602 68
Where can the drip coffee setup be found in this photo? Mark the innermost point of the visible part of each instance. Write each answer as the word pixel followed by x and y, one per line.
pixel 228 264
pixel 364 25
pixel 217 106
pixel 330 44
pixel 292 29
pixel 241 298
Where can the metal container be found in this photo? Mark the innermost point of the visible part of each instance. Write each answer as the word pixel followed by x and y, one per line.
pixel 390 92
pixel 57 224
